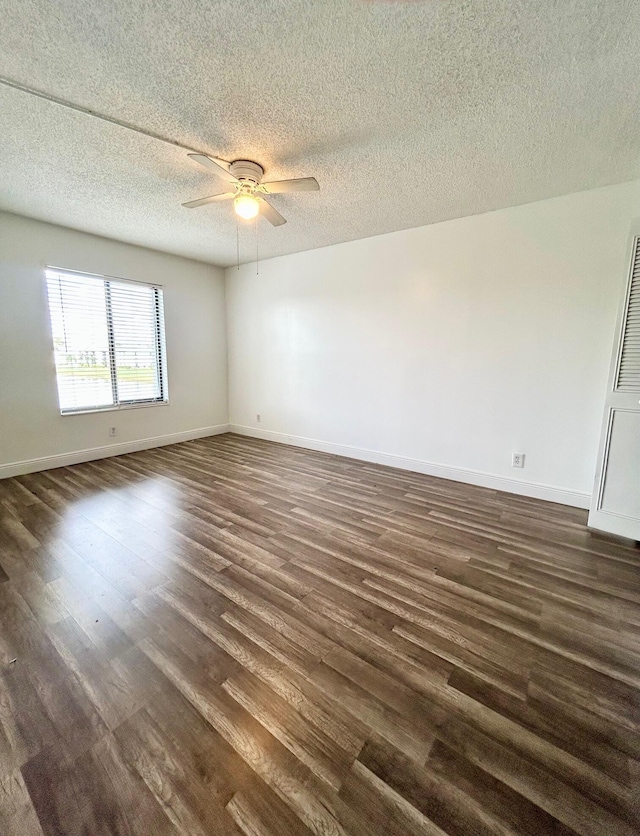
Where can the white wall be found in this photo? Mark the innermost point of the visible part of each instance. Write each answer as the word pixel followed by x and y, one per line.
pixel 31 426
pixel 443 348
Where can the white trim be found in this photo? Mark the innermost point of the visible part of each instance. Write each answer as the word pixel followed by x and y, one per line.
pixel 565 496
pixel 113 408
pixel 78 456
pixel 612 523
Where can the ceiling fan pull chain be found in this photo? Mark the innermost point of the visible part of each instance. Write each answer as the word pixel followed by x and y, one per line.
pixel 257 254
pixel 237 244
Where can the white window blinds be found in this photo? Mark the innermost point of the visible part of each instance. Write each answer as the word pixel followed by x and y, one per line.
pixel 108 340
pixel 628 378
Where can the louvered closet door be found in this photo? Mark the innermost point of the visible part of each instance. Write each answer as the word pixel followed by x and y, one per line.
pixel 615 506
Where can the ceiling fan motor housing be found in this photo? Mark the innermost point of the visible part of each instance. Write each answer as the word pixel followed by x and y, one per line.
pixel 246 170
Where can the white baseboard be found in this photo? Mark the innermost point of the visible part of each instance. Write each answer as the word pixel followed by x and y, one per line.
pixel 78 456
pixel 565 496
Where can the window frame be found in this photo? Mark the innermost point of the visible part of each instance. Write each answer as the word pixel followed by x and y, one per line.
pixel 160 344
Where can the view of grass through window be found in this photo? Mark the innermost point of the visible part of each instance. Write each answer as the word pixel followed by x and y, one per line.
pixel 108 339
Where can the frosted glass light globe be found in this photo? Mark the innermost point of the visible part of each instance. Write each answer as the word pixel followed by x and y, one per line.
pixel 246 206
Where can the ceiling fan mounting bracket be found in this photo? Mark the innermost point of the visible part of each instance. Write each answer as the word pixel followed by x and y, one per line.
pixel 246 170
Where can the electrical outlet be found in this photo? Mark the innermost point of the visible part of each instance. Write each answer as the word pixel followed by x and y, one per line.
pixel 517 460
pixel 112 432
pixel 258 417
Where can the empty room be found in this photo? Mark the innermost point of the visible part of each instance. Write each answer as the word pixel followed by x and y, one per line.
pixel 319 418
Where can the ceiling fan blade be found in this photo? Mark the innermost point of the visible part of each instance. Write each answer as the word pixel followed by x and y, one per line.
pixel 303 184
pixel 219 167
pixel 272 215
pixel 193 204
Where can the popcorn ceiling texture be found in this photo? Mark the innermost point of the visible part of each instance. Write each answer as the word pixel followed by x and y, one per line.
pixel 407 113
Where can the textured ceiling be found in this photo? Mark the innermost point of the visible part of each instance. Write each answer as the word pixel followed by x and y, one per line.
pixel 406 113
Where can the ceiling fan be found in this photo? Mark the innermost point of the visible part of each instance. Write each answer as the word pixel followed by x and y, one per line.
pixel 249 191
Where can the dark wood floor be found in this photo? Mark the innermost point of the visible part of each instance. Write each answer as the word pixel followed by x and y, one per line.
pixel 229 636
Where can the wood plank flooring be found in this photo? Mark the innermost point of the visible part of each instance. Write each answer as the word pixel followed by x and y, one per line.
pixel 230 637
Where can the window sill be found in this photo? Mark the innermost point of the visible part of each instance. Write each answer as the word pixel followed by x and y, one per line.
pixel 94 410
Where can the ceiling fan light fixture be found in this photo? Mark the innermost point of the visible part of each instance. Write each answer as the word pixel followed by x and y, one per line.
pixel 250 193
pixel 246 206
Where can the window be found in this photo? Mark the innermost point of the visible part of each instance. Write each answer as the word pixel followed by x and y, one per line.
pixel 108 340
